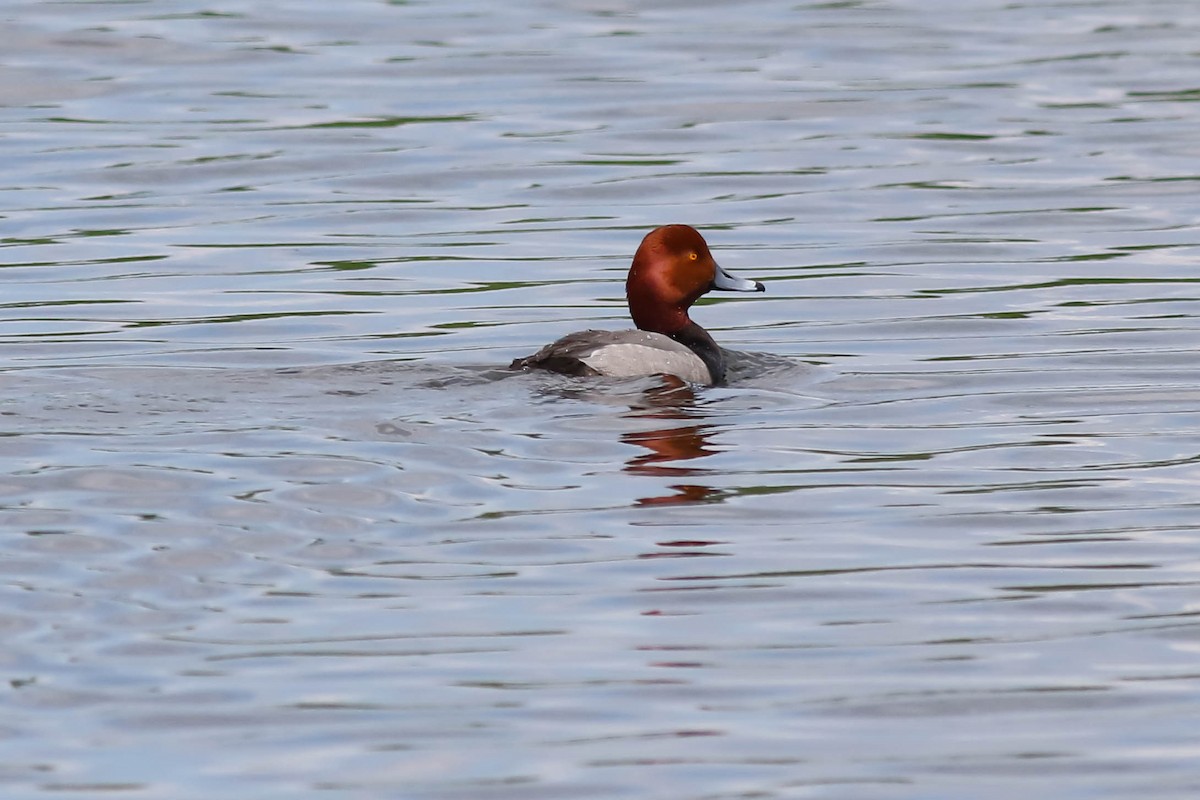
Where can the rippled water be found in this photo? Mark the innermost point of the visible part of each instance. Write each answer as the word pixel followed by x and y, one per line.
pixel 278 523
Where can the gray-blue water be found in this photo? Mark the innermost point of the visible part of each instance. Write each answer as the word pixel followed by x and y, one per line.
pixel 276 522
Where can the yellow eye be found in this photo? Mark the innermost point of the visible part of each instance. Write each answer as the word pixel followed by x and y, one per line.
pixel 692 256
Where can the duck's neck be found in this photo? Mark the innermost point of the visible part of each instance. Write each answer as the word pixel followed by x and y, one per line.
pixel 675 323
pixel 699 342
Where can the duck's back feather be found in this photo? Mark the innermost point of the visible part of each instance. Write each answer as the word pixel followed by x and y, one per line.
pixel 618 354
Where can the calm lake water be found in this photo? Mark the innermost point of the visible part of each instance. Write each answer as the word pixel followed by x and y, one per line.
pixel 277 523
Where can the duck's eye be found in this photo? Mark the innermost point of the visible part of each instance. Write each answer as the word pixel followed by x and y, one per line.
pixel 692 256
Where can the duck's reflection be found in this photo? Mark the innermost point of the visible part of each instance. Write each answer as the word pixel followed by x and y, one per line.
pixel 669 445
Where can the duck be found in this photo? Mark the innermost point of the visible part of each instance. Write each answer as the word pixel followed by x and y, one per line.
pixel 671 270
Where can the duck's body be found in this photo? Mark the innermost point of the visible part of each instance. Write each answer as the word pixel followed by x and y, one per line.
pixel 671 270
pixel 619 354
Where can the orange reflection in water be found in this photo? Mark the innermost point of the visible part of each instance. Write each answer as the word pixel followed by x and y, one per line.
pixel 669 445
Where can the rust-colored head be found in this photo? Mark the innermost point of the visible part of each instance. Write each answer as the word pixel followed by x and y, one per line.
pixel 671 270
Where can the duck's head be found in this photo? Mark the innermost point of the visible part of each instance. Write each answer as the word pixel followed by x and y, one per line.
pixel 671 270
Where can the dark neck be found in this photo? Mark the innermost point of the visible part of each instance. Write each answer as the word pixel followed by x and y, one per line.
pixel 699 342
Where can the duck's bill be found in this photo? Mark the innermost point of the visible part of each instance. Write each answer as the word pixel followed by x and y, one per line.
pixel 732 283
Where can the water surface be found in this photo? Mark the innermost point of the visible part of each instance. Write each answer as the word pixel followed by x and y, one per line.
pixel 277 522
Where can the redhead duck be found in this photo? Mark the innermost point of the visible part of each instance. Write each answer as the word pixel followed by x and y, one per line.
pixel 671 269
